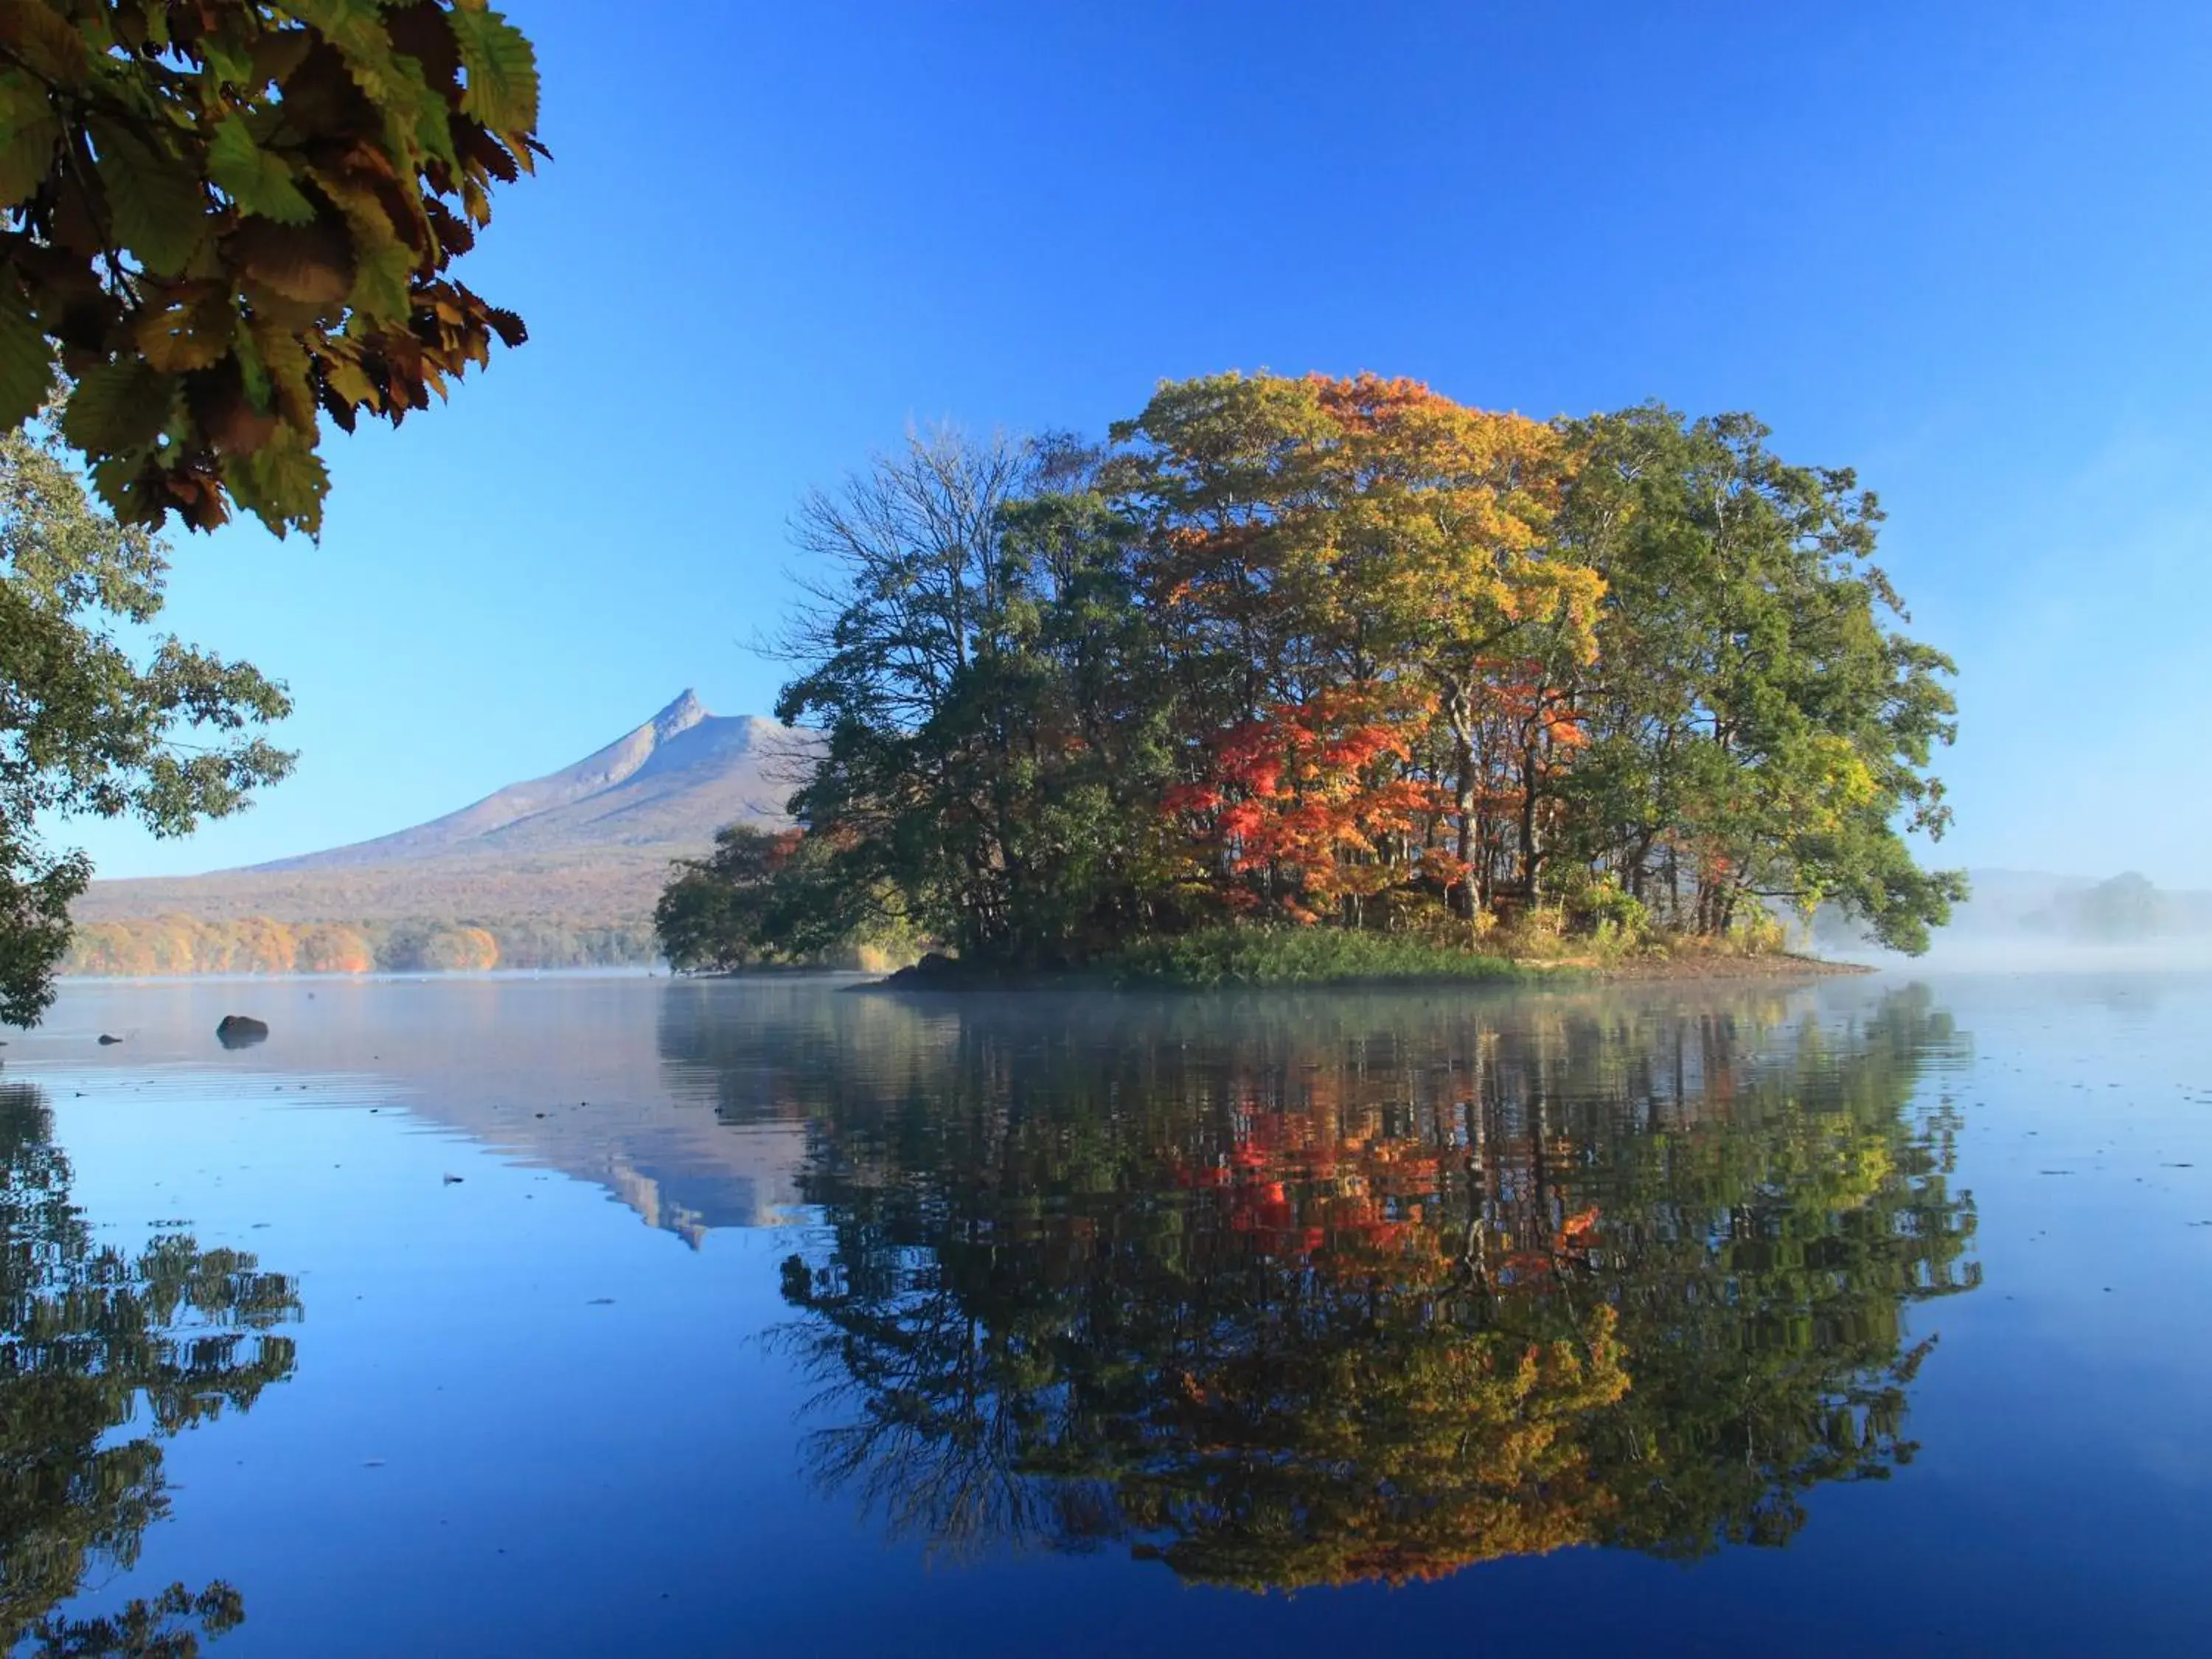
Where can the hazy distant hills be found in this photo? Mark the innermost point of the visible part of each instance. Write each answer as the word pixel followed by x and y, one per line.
pixel 588 845
pixel 2028 915
pixel 2125 909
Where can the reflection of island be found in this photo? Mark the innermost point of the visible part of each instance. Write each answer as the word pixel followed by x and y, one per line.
pixel 94 1341
pixel 1307 1291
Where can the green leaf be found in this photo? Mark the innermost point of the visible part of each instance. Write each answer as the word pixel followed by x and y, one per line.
pixel 282 484
pixel 380 282
pixel 156 208
pixel 26 156
pixel 348 381
pixel 40 38
pixel 252 373
pixel 502 71
pixel 117 407
pixel 118 480
pixel 188 330
pixel 231 65
pixel 257 181
pixel 289 371
pixel 26 365
pixel 431 126
pixel 29 130
pixel 21 97
pixel 356 29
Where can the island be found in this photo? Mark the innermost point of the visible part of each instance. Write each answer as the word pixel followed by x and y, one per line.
pixel 1313 679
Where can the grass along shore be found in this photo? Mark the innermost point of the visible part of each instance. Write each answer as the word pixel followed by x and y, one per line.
pixel 1223 958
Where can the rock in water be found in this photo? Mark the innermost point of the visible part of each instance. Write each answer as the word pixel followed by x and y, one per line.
pixel 105 1040
pixel 240 1032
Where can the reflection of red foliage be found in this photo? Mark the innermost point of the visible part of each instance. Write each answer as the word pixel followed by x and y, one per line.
pixel 1296 1186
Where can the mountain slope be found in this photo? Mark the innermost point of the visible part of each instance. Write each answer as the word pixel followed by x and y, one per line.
pixel 675 780
pixel 589 844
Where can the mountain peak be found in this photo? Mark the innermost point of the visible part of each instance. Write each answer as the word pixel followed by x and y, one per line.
pixel 686 712
pixel 672 781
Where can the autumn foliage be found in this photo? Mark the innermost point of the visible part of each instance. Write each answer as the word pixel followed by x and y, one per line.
pixel 177 944
pixel 1365 576
pixel 174 944
pixel 1345 652
pixel 222 222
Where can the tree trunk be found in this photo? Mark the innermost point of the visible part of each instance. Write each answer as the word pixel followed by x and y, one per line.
pixel 1531 857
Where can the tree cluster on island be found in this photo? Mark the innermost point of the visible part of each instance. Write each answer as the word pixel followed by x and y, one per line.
pixel 1340 653
pixel 2129 908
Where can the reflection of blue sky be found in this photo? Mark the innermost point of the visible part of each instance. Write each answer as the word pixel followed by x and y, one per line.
pixel 480 1455
pixel 2095 1317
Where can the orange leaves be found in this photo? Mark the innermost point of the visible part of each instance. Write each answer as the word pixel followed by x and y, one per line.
pixel 1400 498
pixel 264 201
pixel 1191 800
pixel 1291 1191
pixel 1336 799
pixel 1577 1229
pixel 1381 627
pixel 1313 794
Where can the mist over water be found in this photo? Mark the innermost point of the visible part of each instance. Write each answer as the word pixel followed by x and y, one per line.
pixel 2033 921
pixel 2024 952
pixel 2027 954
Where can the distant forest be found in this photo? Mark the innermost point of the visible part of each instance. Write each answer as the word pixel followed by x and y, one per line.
pixel 577 908
pixel 179 944
pixel 2128 908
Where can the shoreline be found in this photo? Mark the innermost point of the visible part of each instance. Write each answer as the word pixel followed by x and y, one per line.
pixel 1782 964
pixel 946 975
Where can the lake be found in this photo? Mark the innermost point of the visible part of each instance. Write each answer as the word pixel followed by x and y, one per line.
pixel 617 1315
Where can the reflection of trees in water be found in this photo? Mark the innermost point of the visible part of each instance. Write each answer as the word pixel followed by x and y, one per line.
pixel 1311 1290
pixel 94 1340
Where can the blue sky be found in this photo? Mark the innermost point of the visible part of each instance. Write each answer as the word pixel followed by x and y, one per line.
pixel 1966 249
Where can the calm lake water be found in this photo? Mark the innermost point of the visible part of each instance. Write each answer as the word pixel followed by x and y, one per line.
pixel 625 1315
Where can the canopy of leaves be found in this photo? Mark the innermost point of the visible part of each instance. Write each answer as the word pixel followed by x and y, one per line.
pixel 1753 726
pixel 225 219
pixel 716 912
pixel 89 725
